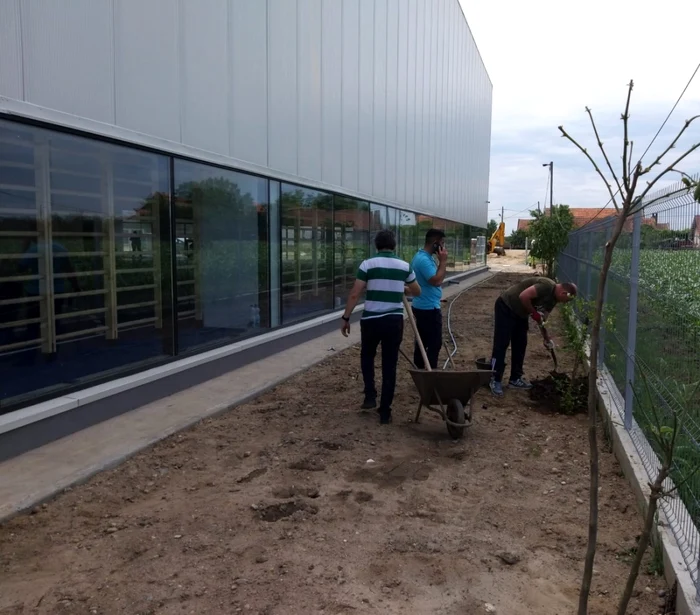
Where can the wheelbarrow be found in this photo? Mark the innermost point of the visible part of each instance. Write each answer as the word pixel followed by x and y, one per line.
pixel 448 393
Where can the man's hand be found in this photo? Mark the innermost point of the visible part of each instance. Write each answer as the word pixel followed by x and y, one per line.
pixel 537 317
pixel 442 255
pixel 345 327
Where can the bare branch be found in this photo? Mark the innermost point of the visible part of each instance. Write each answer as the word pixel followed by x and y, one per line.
pixel 629 160
pixel 605 155
pixel 625 120
pixel 671 146
pixel 566 135
pixel 678 485
pixel 668 169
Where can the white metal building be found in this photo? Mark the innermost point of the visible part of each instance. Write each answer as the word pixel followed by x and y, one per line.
pixel 324 119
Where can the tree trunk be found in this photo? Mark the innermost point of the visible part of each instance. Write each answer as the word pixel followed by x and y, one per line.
pixel 656 490
pixel 593 418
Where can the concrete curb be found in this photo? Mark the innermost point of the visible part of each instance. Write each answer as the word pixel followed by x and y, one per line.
pixel 107 463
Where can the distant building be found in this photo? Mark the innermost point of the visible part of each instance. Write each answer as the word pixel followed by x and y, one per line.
pixel 586 215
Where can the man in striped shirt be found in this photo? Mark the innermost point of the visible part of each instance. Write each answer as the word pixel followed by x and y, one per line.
pixel 386 277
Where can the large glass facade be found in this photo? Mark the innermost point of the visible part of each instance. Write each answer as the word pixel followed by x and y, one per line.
pixel 114 259
pixel 306 252
pixel 85 275
pixel 222 254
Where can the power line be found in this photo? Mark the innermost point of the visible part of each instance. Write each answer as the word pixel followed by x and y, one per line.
pixel 658 132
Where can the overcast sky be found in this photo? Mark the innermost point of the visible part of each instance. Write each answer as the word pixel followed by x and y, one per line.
pixel 549 59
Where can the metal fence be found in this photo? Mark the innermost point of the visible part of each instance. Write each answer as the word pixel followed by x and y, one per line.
pixel 650 339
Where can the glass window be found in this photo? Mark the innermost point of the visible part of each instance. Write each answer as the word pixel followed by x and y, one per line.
pixel 351 222
pixel 378 221
pixel 408 231
pixel 85 276
pixel 222 254
pixel 392 223
pixel 306 252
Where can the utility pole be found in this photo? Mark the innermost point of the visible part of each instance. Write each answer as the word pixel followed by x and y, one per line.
pixel 502 209
pixel 538 207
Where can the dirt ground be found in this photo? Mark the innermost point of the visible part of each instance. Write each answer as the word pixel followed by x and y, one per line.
pixel 275 508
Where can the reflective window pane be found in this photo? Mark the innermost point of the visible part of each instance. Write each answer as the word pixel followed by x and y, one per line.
pixel 378 221
pixel 306 220
pixel 408 232
pixel 85 282
pixel 351 220
pixel 222 254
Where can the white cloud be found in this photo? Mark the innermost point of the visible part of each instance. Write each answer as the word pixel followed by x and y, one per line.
pixel 549 60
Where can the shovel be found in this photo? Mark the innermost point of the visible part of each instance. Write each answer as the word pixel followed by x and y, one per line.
pixel 551 350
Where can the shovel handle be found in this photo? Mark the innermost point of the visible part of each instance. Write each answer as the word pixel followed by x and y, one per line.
pixel 412 320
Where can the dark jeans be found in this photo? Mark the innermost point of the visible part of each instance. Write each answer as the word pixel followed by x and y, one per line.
pixel 429 323
pixel 387 331
pixel 509 328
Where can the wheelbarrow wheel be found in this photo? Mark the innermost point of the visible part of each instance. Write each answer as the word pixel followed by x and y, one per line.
pixel 455 413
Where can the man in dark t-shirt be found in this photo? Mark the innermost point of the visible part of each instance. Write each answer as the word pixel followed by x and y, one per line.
pixel 533 297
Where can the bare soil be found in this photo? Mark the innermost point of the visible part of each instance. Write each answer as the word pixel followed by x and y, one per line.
pixel 276 508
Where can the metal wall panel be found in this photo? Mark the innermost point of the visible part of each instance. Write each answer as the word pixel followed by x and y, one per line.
pixel 147 61
pixel 282 76
pixel 11 84
pixel 386 100
pixel 411 108
pixel 350 103
pixel 402 103
pixel 65 71
pixel 366 94
pixel 331 75
pixel 309 41
pixel 204 36
pixel 392 96
pixel 247 80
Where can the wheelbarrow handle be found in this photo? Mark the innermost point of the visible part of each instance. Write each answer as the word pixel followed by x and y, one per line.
pixel 419 341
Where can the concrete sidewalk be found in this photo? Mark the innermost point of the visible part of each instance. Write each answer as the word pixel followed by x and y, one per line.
pixel 40 474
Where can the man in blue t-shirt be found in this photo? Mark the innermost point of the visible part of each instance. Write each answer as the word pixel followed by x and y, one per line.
pixel 426 307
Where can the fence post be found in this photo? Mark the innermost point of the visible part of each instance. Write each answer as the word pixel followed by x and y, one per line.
pixel 601 341
pixel 632 323
pixel 589 265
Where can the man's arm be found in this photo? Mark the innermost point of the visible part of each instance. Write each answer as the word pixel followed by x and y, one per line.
pixel 413 289
pixel 526 298
pixel 439 277
pixel 354 296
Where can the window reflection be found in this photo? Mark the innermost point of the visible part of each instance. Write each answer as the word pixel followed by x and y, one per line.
pixel 351 220
pixel 222 254
pixel 306 218
pixel 83 290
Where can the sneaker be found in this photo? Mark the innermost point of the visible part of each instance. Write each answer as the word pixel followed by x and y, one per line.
pixel 384 417
pixel 520 383
pixel 496 388
pixel 370 403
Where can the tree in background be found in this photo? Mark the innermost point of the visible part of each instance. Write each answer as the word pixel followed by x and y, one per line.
pixel 550 234
pixel 491 228
pixel 517 239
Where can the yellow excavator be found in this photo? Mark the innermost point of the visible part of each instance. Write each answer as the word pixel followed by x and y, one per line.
pixel 497 243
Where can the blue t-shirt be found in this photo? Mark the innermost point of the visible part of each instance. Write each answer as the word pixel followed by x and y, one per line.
pixel 425 268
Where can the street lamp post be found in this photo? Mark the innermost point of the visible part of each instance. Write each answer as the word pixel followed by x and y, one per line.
pixel 551 185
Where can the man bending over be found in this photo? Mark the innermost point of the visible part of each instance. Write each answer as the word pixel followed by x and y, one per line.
pixel 533 297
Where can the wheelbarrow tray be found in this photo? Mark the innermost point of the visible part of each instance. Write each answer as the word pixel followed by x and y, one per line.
pixel 438 387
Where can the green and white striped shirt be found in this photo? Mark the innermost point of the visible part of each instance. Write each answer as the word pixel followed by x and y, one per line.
pixel 385 275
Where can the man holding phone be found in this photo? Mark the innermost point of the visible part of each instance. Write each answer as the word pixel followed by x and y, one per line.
pixel 426 308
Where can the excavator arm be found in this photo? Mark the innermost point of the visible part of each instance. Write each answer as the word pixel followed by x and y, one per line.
pixel 498 240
